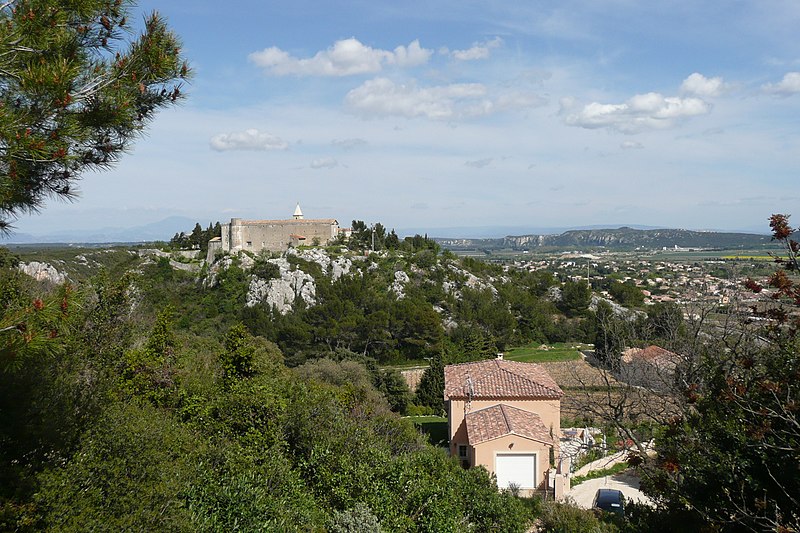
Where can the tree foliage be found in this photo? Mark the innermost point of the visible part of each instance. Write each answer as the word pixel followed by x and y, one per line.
pixel 575 298
pixel 198 238
pixel 729 457
pixel 75 92
pixel 155 419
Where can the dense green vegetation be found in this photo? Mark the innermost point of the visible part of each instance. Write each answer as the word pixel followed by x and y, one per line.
pixel 123 407
pixel 145 396
pixel 198 238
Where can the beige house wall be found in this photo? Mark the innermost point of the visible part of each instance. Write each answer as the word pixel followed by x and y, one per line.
pixel 485 454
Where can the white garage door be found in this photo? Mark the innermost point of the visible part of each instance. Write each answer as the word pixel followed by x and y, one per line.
pixel 517 469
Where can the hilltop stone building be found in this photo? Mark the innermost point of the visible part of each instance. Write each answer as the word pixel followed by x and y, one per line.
pixel 273 235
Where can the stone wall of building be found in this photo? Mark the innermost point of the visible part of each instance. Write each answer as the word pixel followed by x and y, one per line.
pixel 214 246
pixel 276 235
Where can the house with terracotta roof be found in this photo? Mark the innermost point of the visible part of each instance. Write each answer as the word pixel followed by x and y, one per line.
pixel 505 416
pixel 652 367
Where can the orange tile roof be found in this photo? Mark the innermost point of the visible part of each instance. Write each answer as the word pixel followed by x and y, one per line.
pixel 500 420
pixel 497 378
pixel 652 354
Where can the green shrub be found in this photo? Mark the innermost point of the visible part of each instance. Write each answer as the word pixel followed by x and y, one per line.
pixel 357 519
pixel 560 517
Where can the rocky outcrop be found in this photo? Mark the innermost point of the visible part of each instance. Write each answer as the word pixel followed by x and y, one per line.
pixel 623 238
pixel 43 272
pixel 399 284
pixel 336 268
pixel 340 267
pixel 282 292
pixel 470 280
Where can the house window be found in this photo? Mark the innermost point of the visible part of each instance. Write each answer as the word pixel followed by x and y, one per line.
pixel 462 456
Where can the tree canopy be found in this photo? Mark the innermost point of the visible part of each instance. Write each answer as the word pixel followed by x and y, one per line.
pixel 75 90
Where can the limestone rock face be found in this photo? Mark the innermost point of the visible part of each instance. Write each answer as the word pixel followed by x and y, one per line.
pixel 340 267
pixel 42 272
pixel 469 280
pixel 313 255
pixel 399 284
pixel 282 292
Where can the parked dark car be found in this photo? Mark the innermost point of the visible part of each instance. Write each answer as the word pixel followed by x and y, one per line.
pixel 610 500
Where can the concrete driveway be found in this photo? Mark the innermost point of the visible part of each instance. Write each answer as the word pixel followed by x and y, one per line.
pixel 584 493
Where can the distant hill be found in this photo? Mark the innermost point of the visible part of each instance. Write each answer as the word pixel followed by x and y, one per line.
pixel 624 238
pixel 162 230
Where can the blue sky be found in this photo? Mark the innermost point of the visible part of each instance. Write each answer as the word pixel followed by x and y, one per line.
pixel 462 113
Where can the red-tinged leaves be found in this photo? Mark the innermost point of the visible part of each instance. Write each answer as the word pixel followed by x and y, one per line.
pixel 753 285
pixel 780 226
pixel 779 280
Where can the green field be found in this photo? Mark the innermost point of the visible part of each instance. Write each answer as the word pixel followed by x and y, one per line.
pixel 435 427
pixel 537 353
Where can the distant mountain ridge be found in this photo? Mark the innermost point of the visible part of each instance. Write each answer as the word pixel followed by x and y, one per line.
pixel 162 230
pixel 620 238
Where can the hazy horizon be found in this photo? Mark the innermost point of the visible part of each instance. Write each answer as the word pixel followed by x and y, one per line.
pixel 166 228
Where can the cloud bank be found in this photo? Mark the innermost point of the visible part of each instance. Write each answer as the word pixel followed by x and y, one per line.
pixel 347 57
pixel 789 85
pixel 384 97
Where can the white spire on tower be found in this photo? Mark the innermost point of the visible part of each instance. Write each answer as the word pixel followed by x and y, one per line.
pixel 298 215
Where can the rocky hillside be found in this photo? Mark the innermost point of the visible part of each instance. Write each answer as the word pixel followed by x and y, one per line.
pixel 620 238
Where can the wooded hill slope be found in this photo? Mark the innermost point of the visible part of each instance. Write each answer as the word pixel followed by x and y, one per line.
pixel 141 395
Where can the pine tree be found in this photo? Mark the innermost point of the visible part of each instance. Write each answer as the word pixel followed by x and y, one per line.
pixel 75 92
pixel 430 391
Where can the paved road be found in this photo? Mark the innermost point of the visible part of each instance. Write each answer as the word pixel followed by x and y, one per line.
pixel 584 493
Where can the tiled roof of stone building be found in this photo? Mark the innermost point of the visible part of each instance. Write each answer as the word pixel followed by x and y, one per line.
pixel 497 378
pixel 500 420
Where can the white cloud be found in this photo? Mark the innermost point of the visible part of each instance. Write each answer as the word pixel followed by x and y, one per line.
pixel 325 162
pixel 480 163
pixel 251 139
pixel 345 58
pixel 631 145
pixel 641 112
pixel 477 51
pixel 384 97
pixel 410 56
pixel 789 85
pixel 348 144
pixel 698 85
